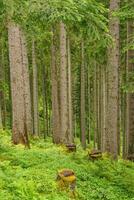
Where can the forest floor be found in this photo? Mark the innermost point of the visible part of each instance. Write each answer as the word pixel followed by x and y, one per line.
pixel 31 174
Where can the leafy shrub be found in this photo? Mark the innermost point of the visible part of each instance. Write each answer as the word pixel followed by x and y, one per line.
pixel 31 174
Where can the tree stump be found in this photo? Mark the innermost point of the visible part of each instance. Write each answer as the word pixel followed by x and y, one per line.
pixel 95 155
pixel 130 157
pixel 67 179
pixel 71 148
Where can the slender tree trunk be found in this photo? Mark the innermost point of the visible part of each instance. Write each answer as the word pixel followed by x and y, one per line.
pixel 89 104
pixel 98 100
pixel 82 98
pixel 125 106
pixel 3 81
pixel 70 112
pixel 1 126
pixel 63 86
pixel 55 95
pixel 130 96
pixel 47 113
pixel 75 126
pixel 44 99
pixel 21 125
pixel 35 93
pixel 95 107
pixel 119 114
pixel 103 109
pixel 4 95
pixel 113 80
pixel 100 107
pixel 46 104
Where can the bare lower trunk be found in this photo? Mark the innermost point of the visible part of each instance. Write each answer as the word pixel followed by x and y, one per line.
pixel 95 107
pixel 19 81
pixel 113 80
pixel 82 99
pixel 47 112
pixel 1 126
pixel 55 99
pixel 35 93
pixel 44 100
pixel 98 100
pixel 129 139
pixel 70 95
pixel 89 104
pixel 46 109
pixel 4 112
pixel 0 115
pixel 103 108
pixel 26 84
pixel 63 86
pixel 100 108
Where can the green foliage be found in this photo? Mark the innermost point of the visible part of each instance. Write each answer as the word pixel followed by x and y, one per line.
pixel 31 174
pixel 126 11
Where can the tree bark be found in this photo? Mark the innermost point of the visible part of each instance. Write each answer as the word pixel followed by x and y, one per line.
pixel 129 141
pixel 89 104
pixel 113 80
pixel 98 101
pixel 55 93
pixel 1 126
pixel 21 124
pixel 26 84
pixel 44 98
pixel 63 86
pixel 95 107
pixel 70 111
pixel 35 93
pixel 103 109
pixel 4 109
pixel 82 98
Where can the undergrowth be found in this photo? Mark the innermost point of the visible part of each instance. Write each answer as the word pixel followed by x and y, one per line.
pixel 31 174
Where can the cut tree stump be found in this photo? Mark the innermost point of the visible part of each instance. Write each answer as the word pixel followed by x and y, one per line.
pixel 95 155
pixel 67 179
pixel 71 148
pixel 130 157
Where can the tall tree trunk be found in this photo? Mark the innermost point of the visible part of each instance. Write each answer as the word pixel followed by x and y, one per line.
pixel 130 95
pixel 2 82
pixel 100 107
pixel 35 93
pixel 55 95
pixel 21 110
pixel 70 112
pixel 26 84
pixel 63 86
pixel 47 112
pixel 0 115
pixel 125 115
pixel 82 98
pixel 4 112
pixel 94 105
pixel 103 109
pixel 113 80
pixel 89 103
pixel 1 126
pixel 98 100
pixel 44 98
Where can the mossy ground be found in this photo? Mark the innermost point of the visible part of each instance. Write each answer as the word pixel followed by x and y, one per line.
pixel 31 174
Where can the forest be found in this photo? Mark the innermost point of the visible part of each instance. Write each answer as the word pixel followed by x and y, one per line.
pixel 66 99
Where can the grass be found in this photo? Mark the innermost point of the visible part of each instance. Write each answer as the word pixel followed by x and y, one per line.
pixel 31 174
